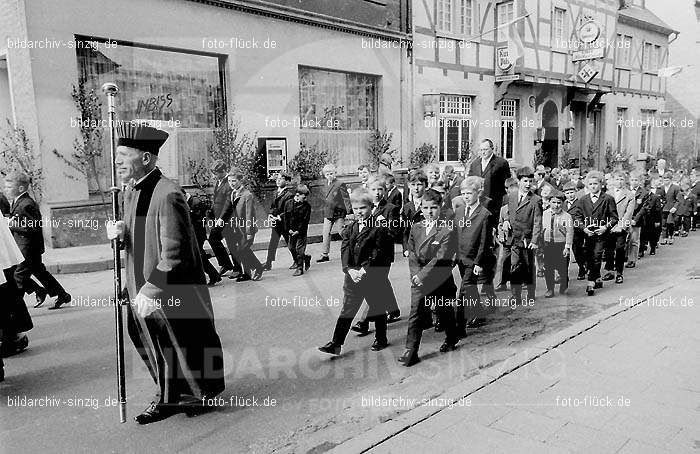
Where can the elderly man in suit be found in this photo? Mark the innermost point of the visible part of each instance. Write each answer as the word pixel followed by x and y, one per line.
pixel 616 248
pixel 284 193
pixel 596 211
pixel 239 213
pixel 222 192
pixel 170 315
pixel 336 208
pixel 495 171
pixel 26 227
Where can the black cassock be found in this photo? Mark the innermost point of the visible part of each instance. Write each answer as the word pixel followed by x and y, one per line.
pixel 178 343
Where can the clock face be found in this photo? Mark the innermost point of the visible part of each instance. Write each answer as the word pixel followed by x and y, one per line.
pixel 588 32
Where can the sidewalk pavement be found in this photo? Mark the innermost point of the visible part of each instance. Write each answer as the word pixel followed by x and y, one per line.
pixel 98 257
pixel 627 383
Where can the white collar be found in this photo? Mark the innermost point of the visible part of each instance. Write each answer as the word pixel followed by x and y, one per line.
pixel 145 176
pixel 17 198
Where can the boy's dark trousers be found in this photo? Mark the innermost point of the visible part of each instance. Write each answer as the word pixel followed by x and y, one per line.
pixel 420 316
pixel 245 256
pixel 579 251
pixel 369 289
pixel 616 251
pixel 469 305
pixel 522 270
pixel 216 236
pixel 297 246
pixel 668 224
pixel 554 259
pixel 505 270
pixel 595 245
pixel 392 306
pixel 275 233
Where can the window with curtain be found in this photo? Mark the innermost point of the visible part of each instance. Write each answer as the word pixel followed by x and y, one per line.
pixel 455 16
pixel 560 34
pixel 624 49
pixel 335 100
pixel 455 113
pixel 645 136
pixel 505 13
pixel 621 118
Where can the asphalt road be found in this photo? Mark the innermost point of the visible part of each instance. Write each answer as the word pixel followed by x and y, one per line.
pixel 282 394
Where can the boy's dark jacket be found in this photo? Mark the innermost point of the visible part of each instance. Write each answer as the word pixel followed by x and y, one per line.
pixel 431 257
pixel 296 215
pixel 525 218
pixel 474 237
pixel 363 249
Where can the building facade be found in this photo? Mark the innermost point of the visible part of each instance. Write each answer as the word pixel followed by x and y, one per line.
pixel 296 72
pixel 580 65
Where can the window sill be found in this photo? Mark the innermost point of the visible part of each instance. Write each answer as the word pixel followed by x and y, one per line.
pixel 456 37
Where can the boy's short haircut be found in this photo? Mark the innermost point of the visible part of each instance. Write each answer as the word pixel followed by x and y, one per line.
pixel 473 182
pixel 619 173
pixel 286 176
pixel 328 168
pixel 595 174
pixel 668 175
pixel 440 184
pixel 417 176
pixel 569 186
pixel 302 189
pixel 362 166
pixel 449 168
pixel 558 195
pixel 19 179
pixel 525 172
pixel 219 166
pixel 389 178
pixel 376 180
pixel 635 174
pixel 510 182
pixel 360 195
pixel 237 175
pixel 431 195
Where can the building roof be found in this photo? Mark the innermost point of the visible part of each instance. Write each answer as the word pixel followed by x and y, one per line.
pixel 639 16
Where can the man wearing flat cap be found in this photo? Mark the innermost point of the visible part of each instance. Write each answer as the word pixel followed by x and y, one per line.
pixel 170 316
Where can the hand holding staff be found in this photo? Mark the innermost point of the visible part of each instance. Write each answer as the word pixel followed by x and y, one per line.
pixel 110 90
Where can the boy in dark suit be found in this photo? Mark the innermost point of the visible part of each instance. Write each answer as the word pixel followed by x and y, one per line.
pixel 597 213
pixel 525 222
pixel 671 202
pixel 474 252
pixel 432 246
pixel 577 247
pixel 239 214
pixel 26 227
pixel 505 238
pixel 393 195
pixel 686 208
pixel 336 207
pixel 641 211
pixel 198 214
pixel 651 230
pixel 384 215
pixel 284 193
pixel 222 192
pixel 4 205
pixel 295 216
pixel 411 211
pixel 364 267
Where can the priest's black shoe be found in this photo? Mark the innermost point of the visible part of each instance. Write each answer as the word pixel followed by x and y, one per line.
pixel 60 301
pixel 267 267
pixel 598 284
pixel 379 345
pixel 214 279
pixel 361 328
pixel 447 347
pixel 409 358
pixel 156 412
pixel 293 266
pixel 330 348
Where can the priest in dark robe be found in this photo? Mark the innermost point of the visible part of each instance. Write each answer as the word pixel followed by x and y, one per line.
pixel 170 316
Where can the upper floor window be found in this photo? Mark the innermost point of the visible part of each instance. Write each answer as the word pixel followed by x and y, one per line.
pixel 560 34
pixel 650 57
pixel 455 16
pixel 505 13
pixel 624 49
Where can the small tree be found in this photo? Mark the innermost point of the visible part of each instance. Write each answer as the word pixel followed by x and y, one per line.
pixel 87 149
pixel 238 149
pixel 465 153
pixel 618 159
pixel 565 156
pixel 539 158
pixel 308 163
pixel 422 155
pixel 17 154
pixel 379 143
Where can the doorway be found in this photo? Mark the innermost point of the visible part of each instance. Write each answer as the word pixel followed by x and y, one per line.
pixel 550 122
